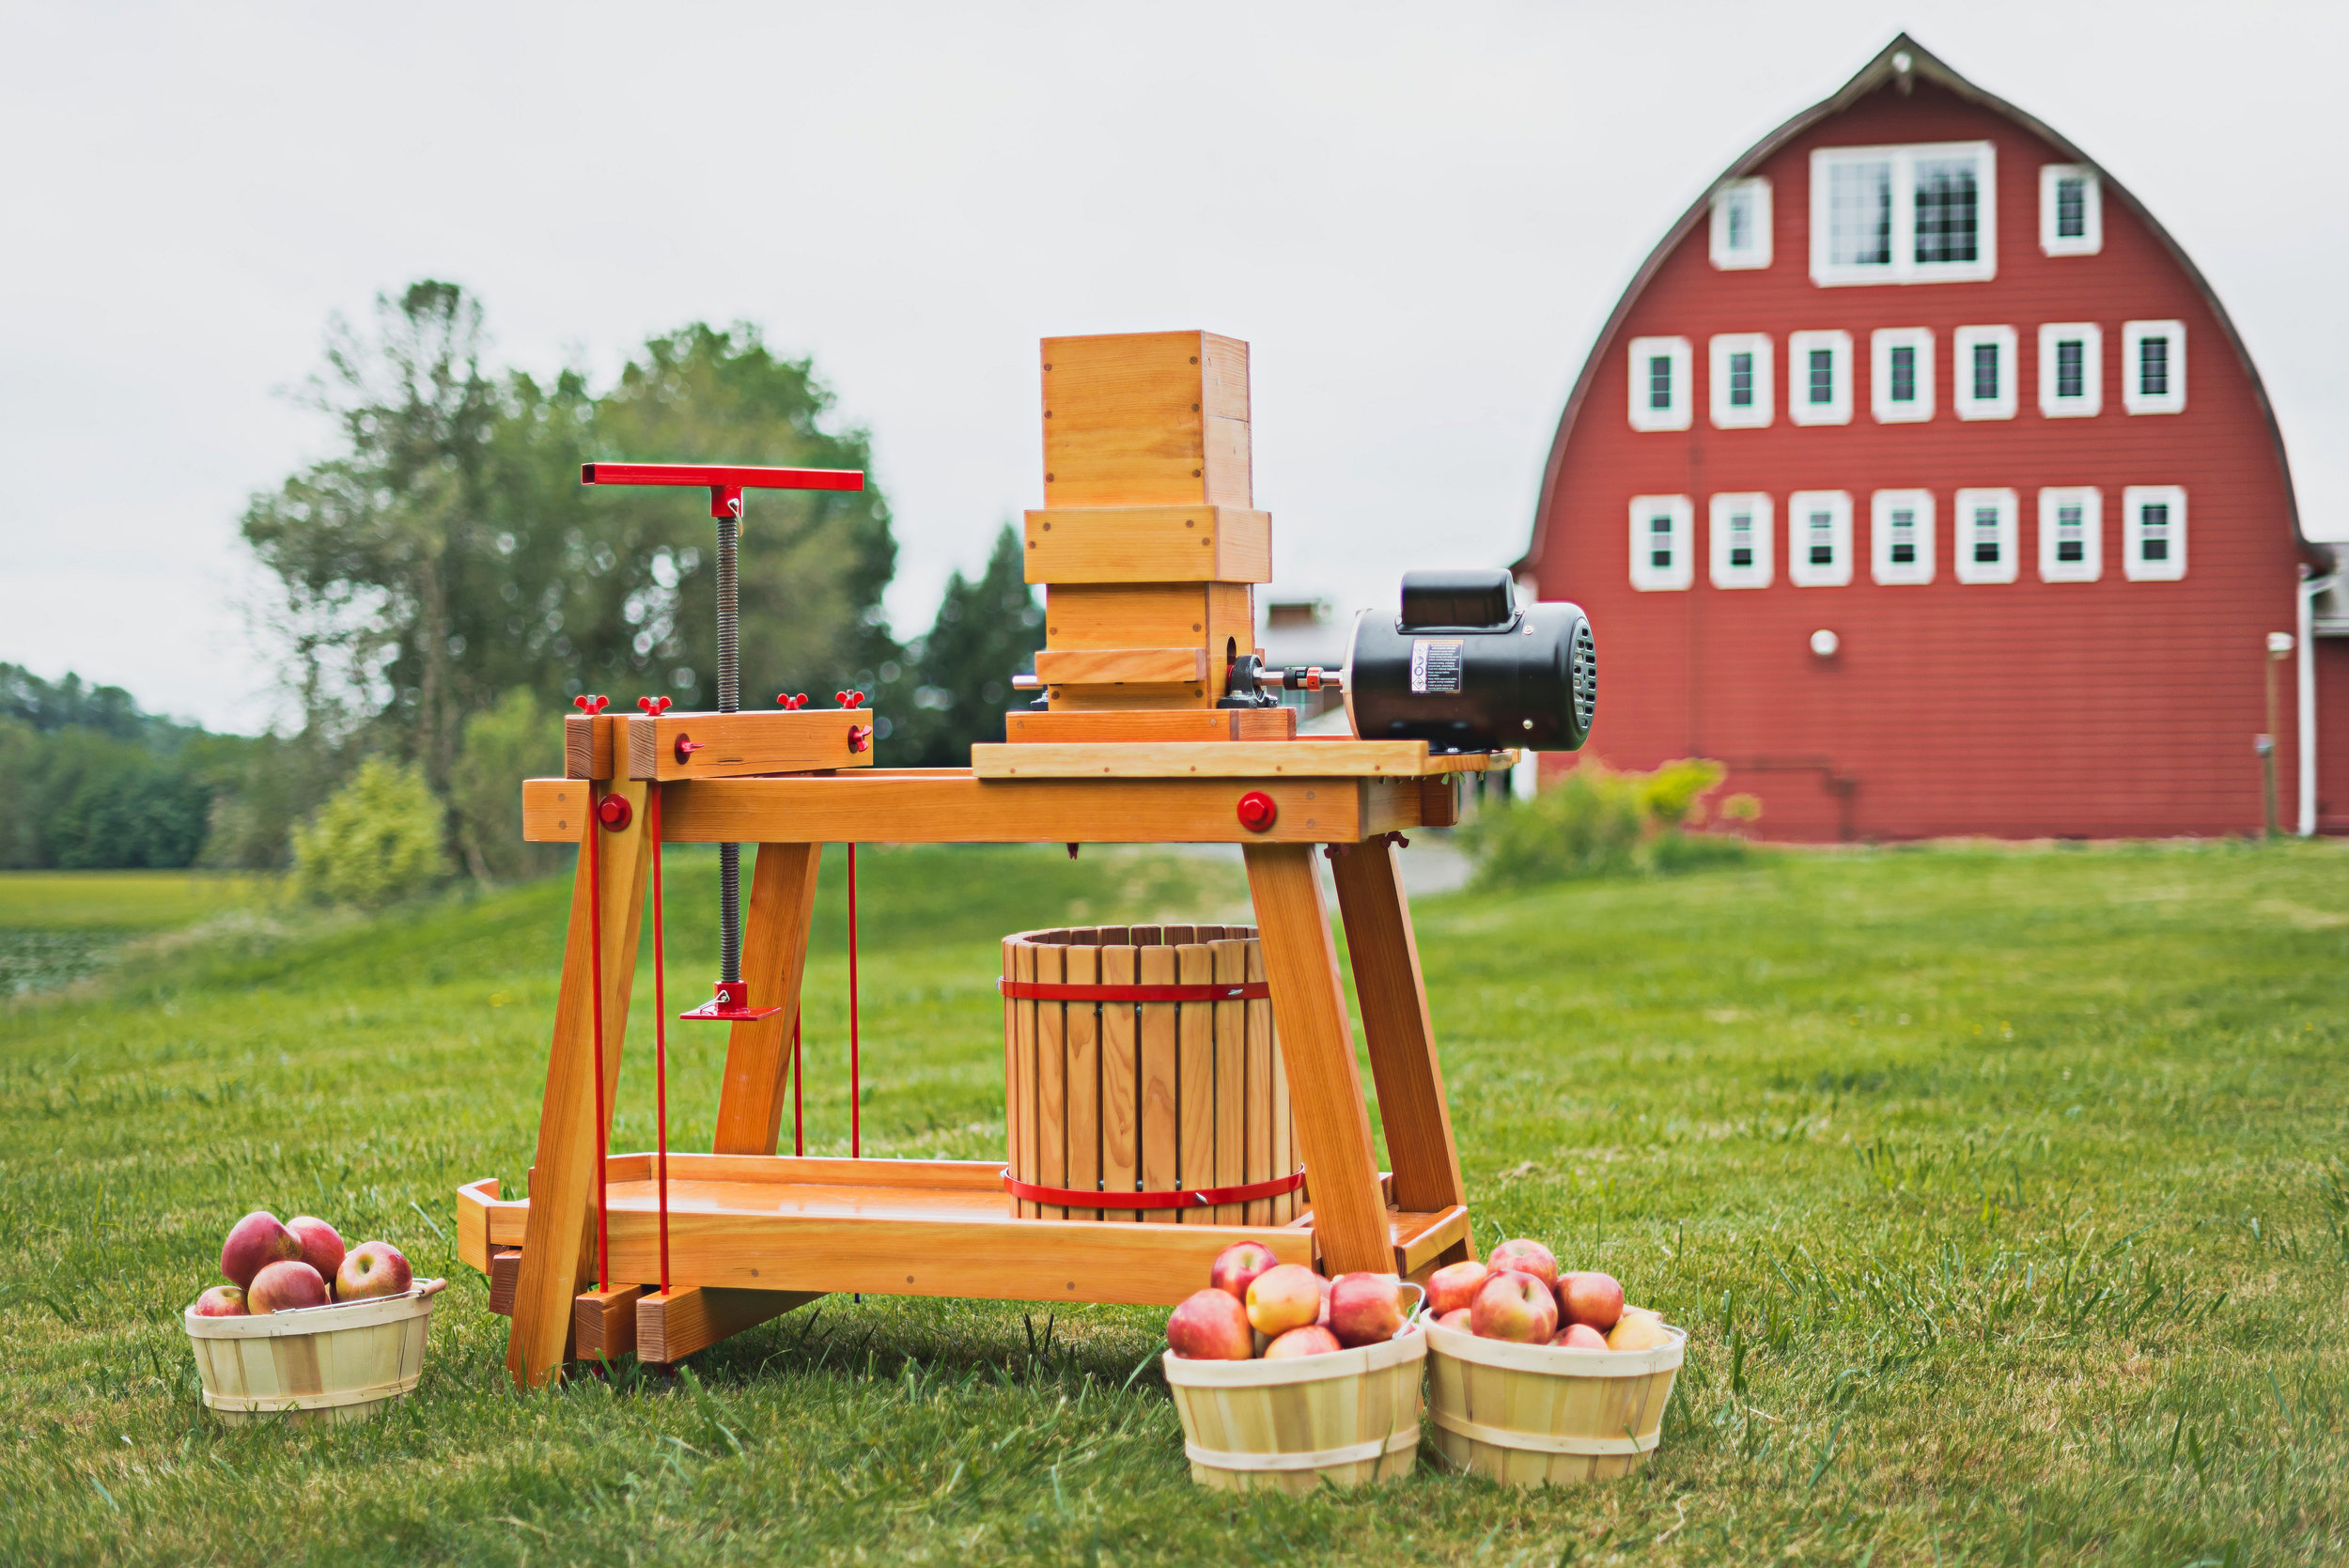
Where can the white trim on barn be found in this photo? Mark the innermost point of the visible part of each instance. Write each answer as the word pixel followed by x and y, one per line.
pixel 1887 378
pixel 2071 548
pixel 1818 523
pixel 1661 558
pixel 2164 373
pixel 1899 537
pixel 2071 384
pixel 1726 382
pixel 1967 345
pixel 1802 380
pixel 1984 522
pixel 2153 533
pixel 2079 210
pixel 1865 203
pixel 1672 412
pixel 1741 225
pixel 1742 530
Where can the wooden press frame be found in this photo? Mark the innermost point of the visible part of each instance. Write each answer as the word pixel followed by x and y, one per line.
pixel 754 1234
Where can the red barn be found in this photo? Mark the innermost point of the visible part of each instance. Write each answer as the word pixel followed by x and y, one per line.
pixel 1921 478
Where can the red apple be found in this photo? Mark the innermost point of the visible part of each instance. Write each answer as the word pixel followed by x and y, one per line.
pixel 1210 1326
pixel 1236 1267
pixel 287 1283
pixel 1322 1317
pixel 1578 1336
pixel 1590 1297
pixel 1311 1340
pixel 1526 1257
pixel 1454 1285
pixel 221 1301
pixel 1458 1317
pixel 373 1268
pixel 321 1247
pixel 1514 1307
pixel 1365 1309
pixel 254 1243
pixel 1284 1297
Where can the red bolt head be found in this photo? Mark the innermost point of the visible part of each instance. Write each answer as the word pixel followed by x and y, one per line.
pixel 591 706
pixel 613 812
pixel 1257 811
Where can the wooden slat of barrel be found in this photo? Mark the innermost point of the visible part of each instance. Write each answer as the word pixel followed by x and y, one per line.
pixel 1194 1077
pixel 1051 1077
pixel 1262 1139
pixel 1024 962
pixel 1084 1078
pixel 1159 1105
pixel 1011 1073
pixel 1121 1081
pixel 1231 1079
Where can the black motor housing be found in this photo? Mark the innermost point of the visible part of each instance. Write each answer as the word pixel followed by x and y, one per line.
pixel 1464 669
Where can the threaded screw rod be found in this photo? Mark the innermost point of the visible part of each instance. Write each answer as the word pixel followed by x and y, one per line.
pixel 729 701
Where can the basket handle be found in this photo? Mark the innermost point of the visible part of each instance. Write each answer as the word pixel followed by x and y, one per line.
pixel 1411 1318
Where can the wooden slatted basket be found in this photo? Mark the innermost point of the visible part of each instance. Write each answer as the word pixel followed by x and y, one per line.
pixel 1536 1415
pixel 326 1365
pixel 1145 1097
pixel 1346 1417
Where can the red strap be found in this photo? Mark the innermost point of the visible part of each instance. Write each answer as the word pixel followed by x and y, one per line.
pixel 1045 990
pixel 856 1110
pixel 659 1041
pixel 1188 1198
pixel 595 979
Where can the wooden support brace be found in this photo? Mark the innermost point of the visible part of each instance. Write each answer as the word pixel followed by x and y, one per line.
pixel 740 745
pixel 1317 1053
pixel 603 1322
pixel 774 958
pixel 506 1271
pixel 671 1327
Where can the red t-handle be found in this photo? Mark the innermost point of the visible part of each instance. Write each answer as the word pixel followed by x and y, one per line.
pixel 725 481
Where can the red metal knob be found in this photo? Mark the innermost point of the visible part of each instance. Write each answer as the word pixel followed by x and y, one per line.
pixel 656 706
pixel 687 746
pixel 792 701
pixel 860 736
pixel 591 706
pixel 1257 811
pixel 614 812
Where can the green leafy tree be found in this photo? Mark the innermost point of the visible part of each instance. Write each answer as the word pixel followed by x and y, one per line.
pixel 516 739
pixel 375 841
pixel 960 685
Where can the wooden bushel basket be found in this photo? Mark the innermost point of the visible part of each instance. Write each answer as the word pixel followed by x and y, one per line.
pixel 325 1365
pixel 1145 1097
pixel 1345 1418
pixel 1534 1415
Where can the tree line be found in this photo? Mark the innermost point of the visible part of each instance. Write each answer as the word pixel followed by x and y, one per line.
pixel 443 585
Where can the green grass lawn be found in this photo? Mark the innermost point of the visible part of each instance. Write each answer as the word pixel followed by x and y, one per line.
pixel 2002 1195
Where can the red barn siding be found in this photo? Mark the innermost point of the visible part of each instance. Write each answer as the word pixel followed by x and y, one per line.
pixel 2016 709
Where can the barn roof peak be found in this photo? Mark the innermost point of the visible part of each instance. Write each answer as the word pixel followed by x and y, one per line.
pixel 1900 63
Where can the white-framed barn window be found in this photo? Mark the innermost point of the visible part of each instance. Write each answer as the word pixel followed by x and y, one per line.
pixel 1900 535
pixel 1742 528
pixel 1900 374
pixel 2071 535
pixel 1741 378
pixel 2071 210
pixel 2071 369
pixel 2153 533
pixel 1818 377
pixel 1818 538
pixel 1981 372
pixel 1662 557
pixel 2152 366
pixel 1984 537
pixel 1927 214
pixel 1660 398
pixel 1741 225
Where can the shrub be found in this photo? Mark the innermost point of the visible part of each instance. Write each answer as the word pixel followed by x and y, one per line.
pixel 1598 822
pixel 503 745
pixel 376 840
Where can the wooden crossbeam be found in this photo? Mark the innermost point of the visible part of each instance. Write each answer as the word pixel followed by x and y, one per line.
pixel 672 1326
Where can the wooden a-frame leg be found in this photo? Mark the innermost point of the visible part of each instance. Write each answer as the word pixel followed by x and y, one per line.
pixel 1393 999
pixel 558 1239
pixel 774 957
pixel 1318 1050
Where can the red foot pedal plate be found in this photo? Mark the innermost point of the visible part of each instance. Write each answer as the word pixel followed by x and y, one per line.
pixel 732 1004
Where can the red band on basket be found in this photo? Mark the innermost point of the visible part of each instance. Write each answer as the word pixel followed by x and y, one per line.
pixel 1190 1198
pixel 1047 990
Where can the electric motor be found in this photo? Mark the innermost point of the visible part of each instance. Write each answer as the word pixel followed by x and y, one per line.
pixel 1464 668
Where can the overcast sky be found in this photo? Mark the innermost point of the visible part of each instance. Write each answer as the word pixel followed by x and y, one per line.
pixel 1418 215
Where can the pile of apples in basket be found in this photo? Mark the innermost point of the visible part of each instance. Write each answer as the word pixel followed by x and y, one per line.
pixel 274 1267
pixel 1257 1307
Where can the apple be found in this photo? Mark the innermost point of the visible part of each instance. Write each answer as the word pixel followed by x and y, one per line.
pixel 1459 1318
pixel 221 1301
pixel 321 1247
pixel 1365 1309
pixel 1454 1285
pixel 1514 1307
pixel 1638 1331
pixel 1236 1267
pixel 288 1283
pixel 1311 1340
pixel 1578 1336
pixel 254 1243
pixel 1590 1297
pixel 1284 1297
pixel 1210 1326
pixel 373 1268
pixel 1526 1257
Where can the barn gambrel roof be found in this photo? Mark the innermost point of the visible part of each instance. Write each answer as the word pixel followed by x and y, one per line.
pixel 1901 60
